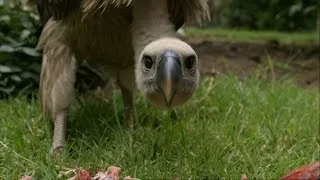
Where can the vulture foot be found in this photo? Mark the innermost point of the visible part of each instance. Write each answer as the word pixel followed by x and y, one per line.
pixel 56 151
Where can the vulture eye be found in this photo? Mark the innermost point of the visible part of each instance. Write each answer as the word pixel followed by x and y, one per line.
pixel 190 62
pixel 147 61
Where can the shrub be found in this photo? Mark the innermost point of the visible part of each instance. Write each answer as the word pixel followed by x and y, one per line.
pixel 20 62
pixel 282 15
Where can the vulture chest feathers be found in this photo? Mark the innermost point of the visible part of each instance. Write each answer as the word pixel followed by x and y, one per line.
pixel 102 38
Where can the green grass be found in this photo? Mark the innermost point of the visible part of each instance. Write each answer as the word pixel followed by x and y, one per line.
pixel 230 127
pixel 245 36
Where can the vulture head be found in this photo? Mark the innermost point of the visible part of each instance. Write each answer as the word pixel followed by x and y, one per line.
pixel 167 72
pixel 166 69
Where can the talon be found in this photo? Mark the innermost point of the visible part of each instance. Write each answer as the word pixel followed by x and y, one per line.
pixel 54 151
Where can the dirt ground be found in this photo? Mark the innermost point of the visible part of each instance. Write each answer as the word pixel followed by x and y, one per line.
pixel 270 58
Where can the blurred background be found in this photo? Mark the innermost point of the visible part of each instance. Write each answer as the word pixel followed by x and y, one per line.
pixel 280 15
pixel 273 39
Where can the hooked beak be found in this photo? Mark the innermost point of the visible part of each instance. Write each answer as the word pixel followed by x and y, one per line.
pixel 168 76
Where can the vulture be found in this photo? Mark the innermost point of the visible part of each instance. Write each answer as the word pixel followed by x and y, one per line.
pixel 134 42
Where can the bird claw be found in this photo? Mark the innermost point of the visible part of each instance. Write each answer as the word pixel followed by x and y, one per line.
pixel 129 124
pixel 56 151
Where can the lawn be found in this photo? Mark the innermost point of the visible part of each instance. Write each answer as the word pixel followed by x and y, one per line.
pixel 230 127
pixel 245 36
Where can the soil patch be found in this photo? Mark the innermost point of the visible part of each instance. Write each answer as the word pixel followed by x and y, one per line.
pixel 273 59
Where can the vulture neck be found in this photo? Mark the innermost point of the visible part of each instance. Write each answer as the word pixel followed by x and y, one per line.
pixel 150 22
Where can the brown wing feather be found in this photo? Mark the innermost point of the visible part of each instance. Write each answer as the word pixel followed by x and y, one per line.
pixel 176 15
pixel 187 11
pixel 180 11
pixel 57 9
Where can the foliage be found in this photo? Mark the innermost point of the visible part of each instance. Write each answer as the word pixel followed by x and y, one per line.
pixel 19 60
pixel 284 15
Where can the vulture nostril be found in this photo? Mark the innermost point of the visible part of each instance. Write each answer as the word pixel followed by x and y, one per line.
pixel 147 61
pixel 190 62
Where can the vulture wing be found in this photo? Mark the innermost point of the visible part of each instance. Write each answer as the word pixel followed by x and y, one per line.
pixel 187 11
pixel 57 9
pixel 181 11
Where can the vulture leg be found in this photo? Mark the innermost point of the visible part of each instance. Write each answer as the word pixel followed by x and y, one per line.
pixel 127 97
pixel 56 87
pixel 126 83
pixel 60 132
